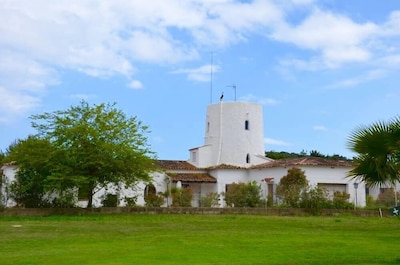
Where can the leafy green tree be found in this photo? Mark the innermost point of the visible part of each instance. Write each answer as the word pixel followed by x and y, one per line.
pixel 291 186
pixel 90 148
pixel 243 195
pixel 33 156
pixel 315 153
pixel 2 157
pixel 378 152
pixel 303 153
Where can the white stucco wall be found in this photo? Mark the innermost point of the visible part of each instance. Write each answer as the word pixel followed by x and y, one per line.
pixel 8 177
pixel 226 135
pixel 315 175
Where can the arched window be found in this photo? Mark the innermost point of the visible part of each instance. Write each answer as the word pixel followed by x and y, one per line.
pixel 247 158
pixel 150 189
pixel 246 125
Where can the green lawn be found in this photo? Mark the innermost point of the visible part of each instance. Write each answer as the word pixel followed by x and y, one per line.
pixel 198 239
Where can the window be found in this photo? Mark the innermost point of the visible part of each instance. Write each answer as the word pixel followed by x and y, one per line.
pixel 194 156
pixel 149 190
pixel 246 125
pixel 247 158
pixel 208 127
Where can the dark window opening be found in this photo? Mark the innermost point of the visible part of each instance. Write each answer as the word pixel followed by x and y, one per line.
pixel 247 158
pixel 246 125
pixel 149 190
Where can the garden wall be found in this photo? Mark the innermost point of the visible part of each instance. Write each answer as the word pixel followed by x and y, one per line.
pixel 183 210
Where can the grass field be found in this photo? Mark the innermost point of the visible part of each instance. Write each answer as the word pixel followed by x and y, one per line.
pixel 198 239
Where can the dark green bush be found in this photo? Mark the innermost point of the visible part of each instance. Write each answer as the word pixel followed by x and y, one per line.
pixel 110 200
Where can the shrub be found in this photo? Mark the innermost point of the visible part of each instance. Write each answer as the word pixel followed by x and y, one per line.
pixel 130 201
pixel 182 197
pixel 341 200
pixel 291 186
pixel 386 198
pixel 154 200
pixel 110 200
pixel 66 199
pixel 314 200
pixel 210 200
pixel 243 195
pixel 270 200
pixel 370 201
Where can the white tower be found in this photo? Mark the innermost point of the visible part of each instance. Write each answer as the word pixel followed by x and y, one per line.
pixel 233 136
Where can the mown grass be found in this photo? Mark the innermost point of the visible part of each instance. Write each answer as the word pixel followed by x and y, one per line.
pixel 198 239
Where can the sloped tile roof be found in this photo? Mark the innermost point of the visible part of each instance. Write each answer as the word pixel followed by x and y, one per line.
pixel 226 166
pixel 192 177
pixel 304 161
pixel 175 165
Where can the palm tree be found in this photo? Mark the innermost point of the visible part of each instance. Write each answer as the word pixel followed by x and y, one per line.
pixel 378 149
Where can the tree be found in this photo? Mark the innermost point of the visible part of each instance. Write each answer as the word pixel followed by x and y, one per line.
pixel 33 156
pixel 291 186
pixel 243 194
pixel 378 152
pixel 92 147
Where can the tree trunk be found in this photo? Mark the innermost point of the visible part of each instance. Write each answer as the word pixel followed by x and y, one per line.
pixel 90 195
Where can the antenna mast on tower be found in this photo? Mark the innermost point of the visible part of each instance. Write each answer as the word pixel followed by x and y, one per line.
pixel 211 76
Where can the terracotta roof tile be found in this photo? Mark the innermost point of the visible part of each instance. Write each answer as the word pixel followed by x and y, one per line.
pixel 175 165
pixel 192 177
pixel 226 166
pixel 305 161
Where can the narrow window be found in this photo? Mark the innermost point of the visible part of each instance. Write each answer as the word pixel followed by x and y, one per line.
pixel 246 125
pixel 194 156
pixel 247 158
pixel 208 127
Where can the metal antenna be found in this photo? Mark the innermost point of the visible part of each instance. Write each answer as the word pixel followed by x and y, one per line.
pixel 234 87
pixel 211 76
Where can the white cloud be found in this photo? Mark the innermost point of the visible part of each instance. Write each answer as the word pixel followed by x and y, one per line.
pixel 360 79
pixel 15 103
pixel 135 84
pixel 83 96
pixel 200 74
pixel 40 39
pixel 337 38
pixel 270 141
pixel 262 101
pixel 319 128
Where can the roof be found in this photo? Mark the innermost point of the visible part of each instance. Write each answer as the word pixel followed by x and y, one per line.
pixel 305 161
pixel 192 177
pixel 226 166
pixel 175 165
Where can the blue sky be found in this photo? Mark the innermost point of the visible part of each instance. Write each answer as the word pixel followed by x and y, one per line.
pixel 319 68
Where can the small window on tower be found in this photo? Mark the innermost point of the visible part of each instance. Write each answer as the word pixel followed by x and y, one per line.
pixel 194 156
pixel 247 158
pixel 246 125
pixel 208 126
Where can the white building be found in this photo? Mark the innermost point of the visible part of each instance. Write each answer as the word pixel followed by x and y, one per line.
pixel 233 152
